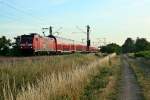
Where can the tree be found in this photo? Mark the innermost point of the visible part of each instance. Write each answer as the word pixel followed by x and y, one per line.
pixel 111 48
pixel 15 50
pixel 142 44
pixel 4 46
pixel 128 46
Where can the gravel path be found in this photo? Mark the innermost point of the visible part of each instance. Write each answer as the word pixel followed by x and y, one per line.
pixel 130 90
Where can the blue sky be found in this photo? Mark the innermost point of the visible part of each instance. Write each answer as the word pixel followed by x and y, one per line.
pixel 114 20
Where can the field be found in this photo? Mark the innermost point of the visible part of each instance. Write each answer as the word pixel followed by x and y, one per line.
pixel 57 77
pixel 74 77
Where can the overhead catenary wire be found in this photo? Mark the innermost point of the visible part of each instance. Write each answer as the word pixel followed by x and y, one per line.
pixel 16 20
pixel 80 29
pixel 8 17
pixel 17 9
pixel 21 11
pixel 11 19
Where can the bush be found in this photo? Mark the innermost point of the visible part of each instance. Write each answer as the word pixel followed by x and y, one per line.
pixel 145 54
pixel 111 48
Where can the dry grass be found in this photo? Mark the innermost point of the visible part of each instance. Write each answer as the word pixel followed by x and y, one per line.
pixel 47 79
pixel 19 73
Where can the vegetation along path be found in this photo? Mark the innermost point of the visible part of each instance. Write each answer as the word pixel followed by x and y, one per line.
pixel 130 89
pixel 141 67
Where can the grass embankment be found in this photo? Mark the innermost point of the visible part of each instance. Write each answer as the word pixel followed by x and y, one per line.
pixel 104 85
pixel 143 79
pixel 19 75
pixel 145 54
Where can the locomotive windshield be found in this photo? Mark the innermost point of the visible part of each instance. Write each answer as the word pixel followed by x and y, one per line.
pixel 26 39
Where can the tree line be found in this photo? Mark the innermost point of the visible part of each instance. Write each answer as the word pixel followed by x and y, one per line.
pixel 129 46
pixel 9 48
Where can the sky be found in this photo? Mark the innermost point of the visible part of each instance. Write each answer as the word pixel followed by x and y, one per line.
pixel 114 20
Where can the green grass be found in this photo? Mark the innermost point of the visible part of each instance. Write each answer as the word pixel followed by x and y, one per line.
pixel 104 85
pixel 145 54
pixel 97 83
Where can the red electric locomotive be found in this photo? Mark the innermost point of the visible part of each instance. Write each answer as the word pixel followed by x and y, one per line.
pixel 35 44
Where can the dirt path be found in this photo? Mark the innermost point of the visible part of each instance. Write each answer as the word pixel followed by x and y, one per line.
pixel 130 90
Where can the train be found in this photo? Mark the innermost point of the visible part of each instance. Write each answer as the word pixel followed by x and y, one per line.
pixel 36 44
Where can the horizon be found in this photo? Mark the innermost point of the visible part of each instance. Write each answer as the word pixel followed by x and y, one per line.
pixel 114 20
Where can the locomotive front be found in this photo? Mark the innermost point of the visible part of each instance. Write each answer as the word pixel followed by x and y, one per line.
pixel 26 43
